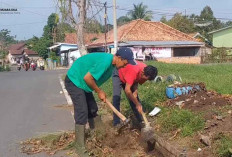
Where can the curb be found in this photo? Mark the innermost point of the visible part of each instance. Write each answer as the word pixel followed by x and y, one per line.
pixel 68 98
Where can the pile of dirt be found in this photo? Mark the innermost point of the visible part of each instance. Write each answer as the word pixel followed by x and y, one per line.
pixel 201 100
pixel 107 141
pixel 215 108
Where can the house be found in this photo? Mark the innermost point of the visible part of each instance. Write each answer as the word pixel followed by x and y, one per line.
pixel 71 38
pixel 155 40
pixel 222 37
pixel 17 50
pixel 69 50
pixel 201 38
pixel 66 51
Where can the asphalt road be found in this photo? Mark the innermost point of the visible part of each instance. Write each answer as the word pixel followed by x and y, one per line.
pixel 27 101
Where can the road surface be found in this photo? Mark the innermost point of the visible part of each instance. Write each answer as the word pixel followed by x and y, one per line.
pixel 27 101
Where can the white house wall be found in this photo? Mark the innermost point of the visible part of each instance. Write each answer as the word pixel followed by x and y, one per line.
pixel 156 52
pixel 159 52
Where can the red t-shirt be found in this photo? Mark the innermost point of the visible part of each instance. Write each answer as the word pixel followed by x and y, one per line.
pixel 132 73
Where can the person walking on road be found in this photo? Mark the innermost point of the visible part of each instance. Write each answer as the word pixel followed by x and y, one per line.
pixel 87 74
pixel 128 78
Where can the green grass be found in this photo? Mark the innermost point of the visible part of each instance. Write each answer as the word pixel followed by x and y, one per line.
pixel 172 119
pixel 223 144
pixel 217 77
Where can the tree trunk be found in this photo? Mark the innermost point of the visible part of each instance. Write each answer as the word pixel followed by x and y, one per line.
pixel 80 27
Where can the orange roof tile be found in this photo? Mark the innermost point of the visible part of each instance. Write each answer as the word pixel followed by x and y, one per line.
pixel 72 37
pixel 140 30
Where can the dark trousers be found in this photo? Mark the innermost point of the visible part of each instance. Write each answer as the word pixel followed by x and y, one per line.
pixel 85 106
pixel 117 87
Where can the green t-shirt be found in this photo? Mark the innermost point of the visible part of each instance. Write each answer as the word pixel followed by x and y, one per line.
pixel 98 64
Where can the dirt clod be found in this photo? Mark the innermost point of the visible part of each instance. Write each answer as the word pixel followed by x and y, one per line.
pixel 205 140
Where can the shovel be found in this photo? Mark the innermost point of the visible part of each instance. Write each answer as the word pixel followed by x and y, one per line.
pixel 147 132
pixel 125 121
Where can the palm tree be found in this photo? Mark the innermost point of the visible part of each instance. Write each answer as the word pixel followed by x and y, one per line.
pixel 140 12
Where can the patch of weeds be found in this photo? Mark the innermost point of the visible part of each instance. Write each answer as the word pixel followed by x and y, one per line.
pixel 151 94
pixel 50 139
pixel 223 111
pixel 172 119
pixel 50 143
pixel 222 145
pixel 70 146
pixel 196 144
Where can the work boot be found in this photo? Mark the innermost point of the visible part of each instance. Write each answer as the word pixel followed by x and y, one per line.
pixel 91 123
pixel 80 141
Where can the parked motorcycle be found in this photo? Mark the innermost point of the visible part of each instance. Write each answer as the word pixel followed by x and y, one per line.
pixel 26 66
pixel 41 67
pixel 33 66
pixel 19 67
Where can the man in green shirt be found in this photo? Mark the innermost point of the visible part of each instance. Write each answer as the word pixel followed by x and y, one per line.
pixel 87 74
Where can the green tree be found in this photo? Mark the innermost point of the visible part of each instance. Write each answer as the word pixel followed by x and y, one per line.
pixel 140 12
pixel 62 29
pixel 50 29
pixel 207 22
pixel 207 13
pixel 6 38
pixel 228 23
pixel 123 20
pixel 42 47
pixel 163 19
pixel 32 42
pixel 93 26
pixel 182 23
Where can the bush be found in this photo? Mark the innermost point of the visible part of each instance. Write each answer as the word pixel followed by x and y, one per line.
pixel 6 68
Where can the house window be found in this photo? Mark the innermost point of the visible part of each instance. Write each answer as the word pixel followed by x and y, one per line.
pixel 182 52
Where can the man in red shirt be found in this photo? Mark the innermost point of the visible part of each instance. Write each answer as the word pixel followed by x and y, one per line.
pixel 128 78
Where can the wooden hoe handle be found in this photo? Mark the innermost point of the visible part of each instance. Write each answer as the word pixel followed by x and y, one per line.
pixel 121 116
pixel 145 119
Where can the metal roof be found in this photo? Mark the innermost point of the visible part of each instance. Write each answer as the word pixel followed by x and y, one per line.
pixel 220 30
pixel 59 44
pixel 162 43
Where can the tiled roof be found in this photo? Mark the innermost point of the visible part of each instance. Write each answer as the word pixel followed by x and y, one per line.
pixel 18 46
pixel 140 30
pixel 16 52
pixel 30 52
pixel 18 49
pixel 71 38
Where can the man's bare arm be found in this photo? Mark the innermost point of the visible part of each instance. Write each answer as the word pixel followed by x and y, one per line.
pixel 90 81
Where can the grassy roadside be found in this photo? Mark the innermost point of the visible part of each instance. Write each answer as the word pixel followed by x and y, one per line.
pixel 216 77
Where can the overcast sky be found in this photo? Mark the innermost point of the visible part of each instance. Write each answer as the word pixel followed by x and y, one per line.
pixel 31 15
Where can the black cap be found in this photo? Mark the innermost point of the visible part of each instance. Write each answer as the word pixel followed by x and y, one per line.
pixel 127 54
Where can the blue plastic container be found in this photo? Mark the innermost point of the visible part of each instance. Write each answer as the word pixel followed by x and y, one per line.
pixel 173 92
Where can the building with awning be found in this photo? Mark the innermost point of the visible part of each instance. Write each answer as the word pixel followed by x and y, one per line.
pixel 154 40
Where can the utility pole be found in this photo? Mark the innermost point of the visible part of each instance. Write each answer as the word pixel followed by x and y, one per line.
pixel 115 26
pixel 105 17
